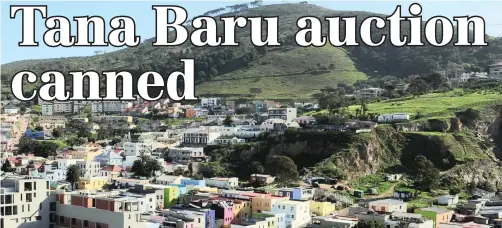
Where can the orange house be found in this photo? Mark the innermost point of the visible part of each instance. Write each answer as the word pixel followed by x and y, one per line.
pixel 190 113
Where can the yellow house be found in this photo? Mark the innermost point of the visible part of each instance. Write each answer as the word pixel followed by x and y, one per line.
pixel 92 183
pixel 265 202
pixel 242 210
pixel 87 152
pixel 321 208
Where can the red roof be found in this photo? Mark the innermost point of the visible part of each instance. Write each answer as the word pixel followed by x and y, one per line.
pixel 113 168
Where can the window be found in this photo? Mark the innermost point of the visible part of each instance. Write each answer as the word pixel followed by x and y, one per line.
pixel 14 210
pixel 8 211
pixel 38 218
pixel 22 208
pixel 9 199
pixel 28 198
pixel 86 223
pixel 73 221
pixel 292 216
pixel 61 219
pixel 40 206
pixel 34 185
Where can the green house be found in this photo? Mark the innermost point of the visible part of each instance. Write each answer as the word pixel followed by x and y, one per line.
pixel 436 214
pixel 358 193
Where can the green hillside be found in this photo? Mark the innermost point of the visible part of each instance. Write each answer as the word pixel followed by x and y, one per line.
pixel 288 71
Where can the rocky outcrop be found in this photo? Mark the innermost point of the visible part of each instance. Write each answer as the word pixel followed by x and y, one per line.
pixel 434 125
pixel 477 172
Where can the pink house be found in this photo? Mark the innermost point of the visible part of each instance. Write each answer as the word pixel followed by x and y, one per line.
pixel 223 210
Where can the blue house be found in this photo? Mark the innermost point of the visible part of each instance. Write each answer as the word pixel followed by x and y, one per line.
pixel 259 105
pixel 34 134
pixel 109 157
pixel 198 183
pixel 297 193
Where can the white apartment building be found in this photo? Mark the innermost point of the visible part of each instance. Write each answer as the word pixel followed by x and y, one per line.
pixel 26 202
pixel 496 71
pixel 49 109
pixel 185 155
pixel 89 168
pixel 135 148
pixel 97 107
pixel 369 93
pixel 297 212
pixel 199 136
pixel 65 163
pixel 287 114
pixel 208 102
pixel 111 106
pixel 223 182
pixel 51 122
pixel 78 106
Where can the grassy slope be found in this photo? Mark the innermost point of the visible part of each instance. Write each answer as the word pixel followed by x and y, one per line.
pixel 280 74
pixel 435 104
pixel 432 105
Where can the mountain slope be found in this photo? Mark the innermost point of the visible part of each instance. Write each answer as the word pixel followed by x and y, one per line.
pixel 288 71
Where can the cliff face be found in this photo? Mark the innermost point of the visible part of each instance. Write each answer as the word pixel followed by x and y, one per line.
pixel 448 143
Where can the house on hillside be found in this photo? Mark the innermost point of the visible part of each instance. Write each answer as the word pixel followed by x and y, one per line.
pixel 495 70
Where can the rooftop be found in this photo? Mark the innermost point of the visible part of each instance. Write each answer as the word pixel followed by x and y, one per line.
pixel 388 201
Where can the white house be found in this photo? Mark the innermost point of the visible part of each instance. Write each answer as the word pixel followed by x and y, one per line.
pixel 388 205
pixel 223 182
pixel 11 110
pixel 496 70
pixel 287 114
pixel 185 155
pixel 448 200
pixel 297 212
pixel 208 102
pixel 89 168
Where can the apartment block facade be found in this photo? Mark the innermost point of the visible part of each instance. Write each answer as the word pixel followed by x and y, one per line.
pixel 26 202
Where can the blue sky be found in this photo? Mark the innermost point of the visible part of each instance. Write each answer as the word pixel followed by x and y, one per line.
pixel 145 19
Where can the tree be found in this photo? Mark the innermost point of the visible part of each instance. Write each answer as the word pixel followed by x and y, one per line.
pixel 6 166
pixel 39 128
pixel 22 110
pixel 178 172
pixel 369 224
pixel 56 132
pixel 145 166
pixel 73 174
pixel 331 98
pixel 45 149
pixel 284 168
pixel 26 145
pixel 426 176
pixel 212 169
pixel 403 224
pixel 228 121
pixel 418 87
pixel 152 166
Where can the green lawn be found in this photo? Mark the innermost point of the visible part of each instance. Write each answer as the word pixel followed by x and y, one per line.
pixel 61 144
pixel 433 104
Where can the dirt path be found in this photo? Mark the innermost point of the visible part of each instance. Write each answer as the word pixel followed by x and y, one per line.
pixel 387 193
